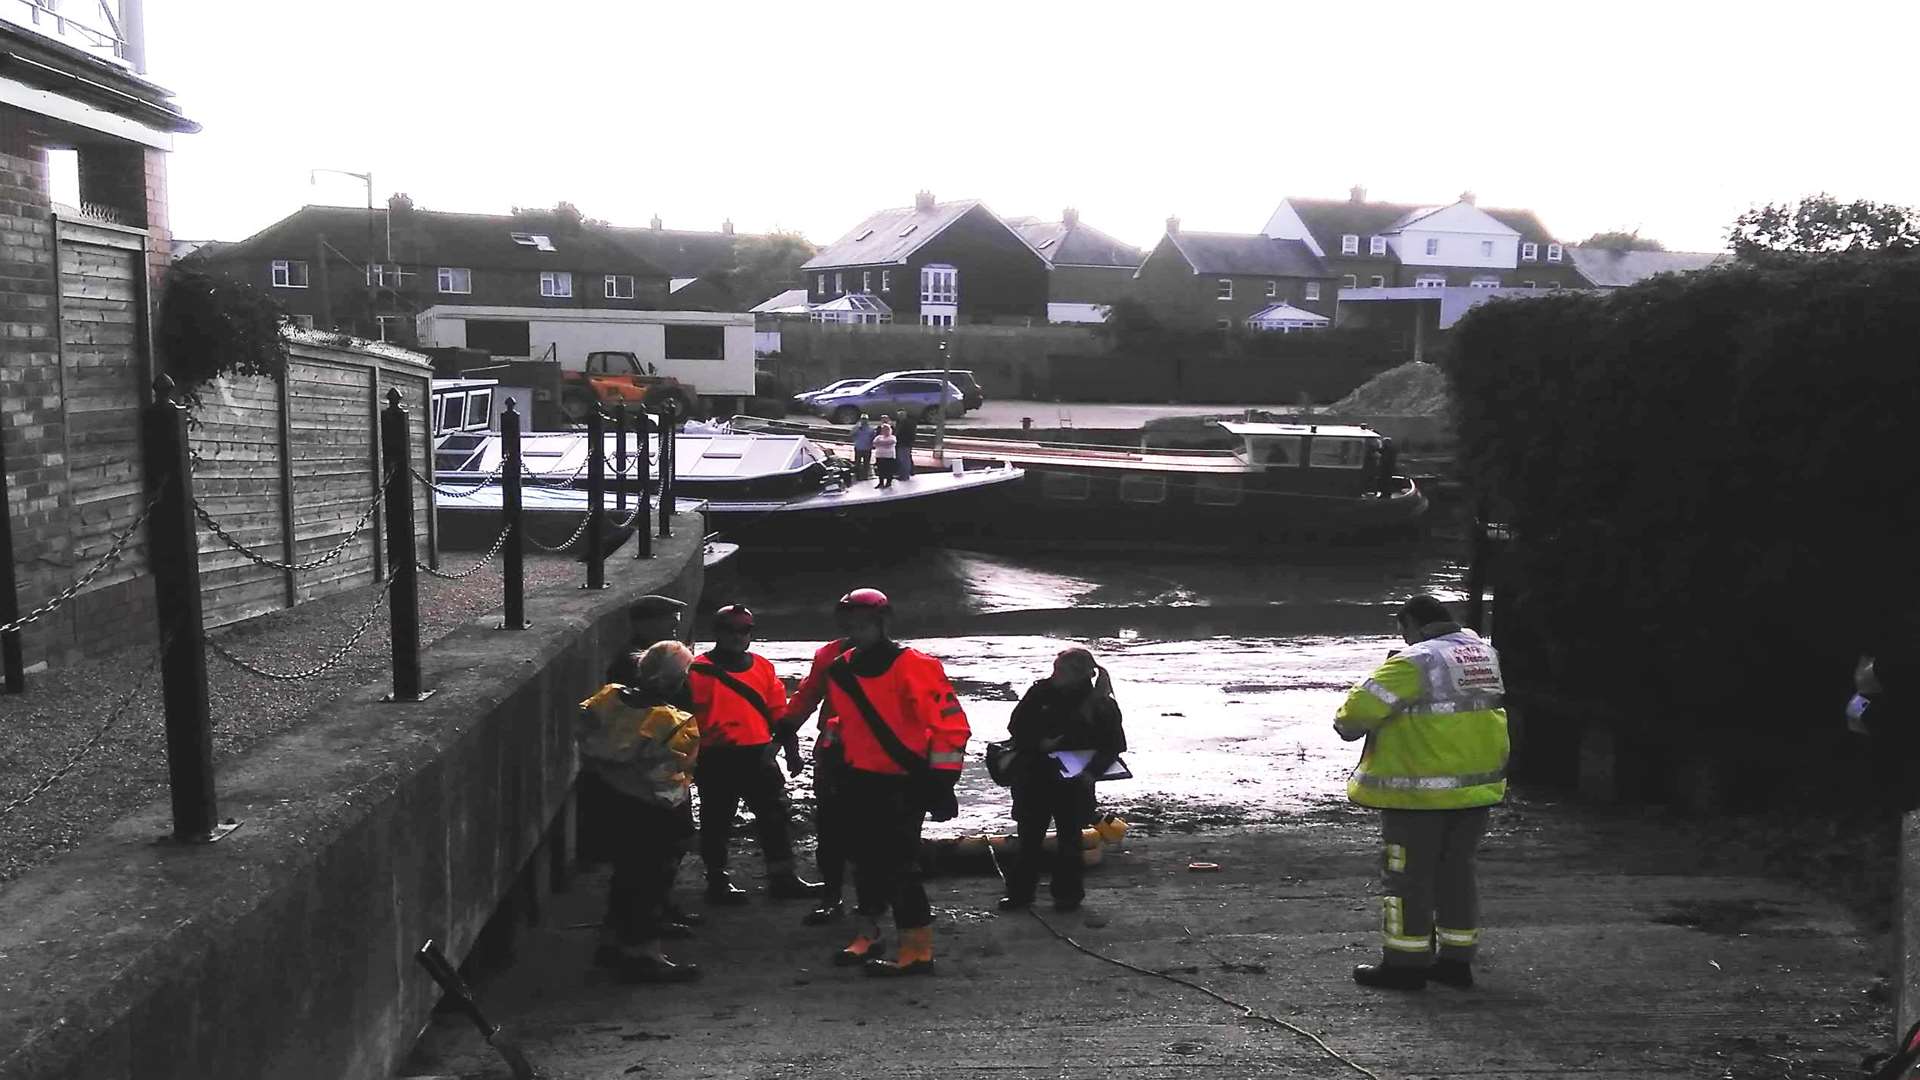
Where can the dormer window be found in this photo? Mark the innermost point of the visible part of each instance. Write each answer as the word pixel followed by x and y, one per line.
pixel 1376 245
pixel 1553 252
pixel 1529 252
pixel 536 241
pixel 1350 244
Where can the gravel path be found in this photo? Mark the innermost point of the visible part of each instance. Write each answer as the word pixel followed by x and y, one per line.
pixel 63 710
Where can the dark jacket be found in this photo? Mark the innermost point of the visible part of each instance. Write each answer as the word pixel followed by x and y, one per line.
pixel 1084 719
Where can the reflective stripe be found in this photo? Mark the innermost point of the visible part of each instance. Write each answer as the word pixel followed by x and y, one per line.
pixel 1428 783
pixel 1387 697
pixel 946 758
pixel 1457 938
pixel 951 710
pixel 1407 944
pixel 1396 858
pixel 1393 931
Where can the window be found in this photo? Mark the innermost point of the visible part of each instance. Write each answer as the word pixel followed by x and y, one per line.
pixel 927 319
pixel 1379 281
pixel 939 285
pixel 1529 252
pixel 479 408
pixel 1552 285
pixel 1431 281
pixel 1350 244
pixel 1433 245
pixel 1276 450
pixel 387 275
pixel 452 410
pixel 1527 285
pixel 500 337
pixel 866 281
pixel 823 285
pixel 1553 252
pixel 289 274
pixel 696 342
pixel 1225 291
pixel 839 282
pixel 1376 245
pixel 1217 489
pixel 301 322
pixel 1325 453
pixel 455 279
pixel 1223 324
pixel 1074 487
pixel 1313 290
pixel 1143 489
pixel 536 241
pixel 1273 287
pixel 886 281
pixel 1351 282
pixel 556 283
pixel 392 327
pixel 1486 283
pixel 619 286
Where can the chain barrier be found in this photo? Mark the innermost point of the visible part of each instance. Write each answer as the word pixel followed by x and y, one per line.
pixel 322 668
pixel 480 485
pixel 578 532
pixel 274 564
pixel 499 542
pixel 543 481
pixel 92 744
pixel 112 556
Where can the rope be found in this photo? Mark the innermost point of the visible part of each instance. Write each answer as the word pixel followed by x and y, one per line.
pixel 325 666
pixel 1247 1011
pixel 91 744
pixel 569 541
pixel 112 556
pixel 498 543
pixel 274 564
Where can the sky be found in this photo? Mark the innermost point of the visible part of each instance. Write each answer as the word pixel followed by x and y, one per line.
pixel 1667 118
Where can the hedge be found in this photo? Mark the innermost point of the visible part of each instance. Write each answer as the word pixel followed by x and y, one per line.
pixel 1708 479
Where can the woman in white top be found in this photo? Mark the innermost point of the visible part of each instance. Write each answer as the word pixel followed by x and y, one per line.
pixel 885 446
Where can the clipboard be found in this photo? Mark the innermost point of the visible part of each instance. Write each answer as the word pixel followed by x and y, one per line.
pixel 1074 762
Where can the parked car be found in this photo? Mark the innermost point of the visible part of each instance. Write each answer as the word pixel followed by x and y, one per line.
pixel 963 380
pixel 920 397
pixel 803 397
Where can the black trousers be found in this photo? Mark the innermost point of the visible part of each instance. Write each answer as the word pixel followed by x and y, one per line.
pixel 886 816
pixel 729 775
pixel 646 842
pixel 832 826
pixel 1069 807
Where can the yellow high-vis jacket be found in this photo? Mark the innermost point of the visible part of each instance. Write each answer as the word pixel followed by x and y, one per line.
pixel 1435 727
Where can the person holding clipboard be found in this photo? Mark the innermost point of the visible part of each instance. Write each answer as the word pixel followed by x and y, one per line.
pixel 1068 735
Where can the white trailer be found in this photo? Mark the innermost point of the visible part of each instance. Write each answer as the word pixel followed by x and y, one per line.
pixel 710 350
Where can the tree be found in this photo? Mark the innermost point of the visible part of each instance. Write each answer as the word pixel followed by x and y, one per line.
pixel 764 266
pixel 1821 224
pixel 1622 240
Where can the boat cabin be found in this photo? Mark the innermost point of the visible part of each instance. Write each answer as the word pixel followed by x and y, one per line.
pixel 1330 458
pixel 462 419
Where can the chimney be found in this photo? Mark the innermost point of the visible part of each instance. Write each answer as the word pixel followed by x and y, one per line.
pixel 655 223
pixel 1069 217
pixel 1356 194
pixel 923 200
pixel 1467 197
pixel 726 227
pixel 1173 226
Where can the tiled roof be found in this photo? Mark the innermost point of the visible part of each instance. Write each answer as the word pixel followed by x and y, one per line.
pixel 790 301
pixel 680 252
pixel 1236 253
pixel 1330 219
pixel 441 238
pixel 1608 269
pixel 889 236
pixel 1075 244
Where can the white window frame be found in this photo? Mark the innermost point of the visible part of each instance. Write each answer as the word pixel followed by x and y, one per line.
pixel 886 281
pixel 1379 281
pixel 1553 286
pixel 1433 245
pixel 1349 243
pixel 1223 289
pixel 301 322
pixel 613 287
pixel 1554 252
pixel 1529 252
pixel 1148 488
pixel 931 319
pixel 1484 283
pixel 939 284
pixel 557 284
pixel 1376 245
pixel 1430 281
pixel 381 321
pixel 1350 282
pixel 1313 290
pixel 1528 285
pixel 823 284
pixel 866 281
pixel 454 280
pixel 1273 288
pixel 283 274
pixel 1486 249
pixel 839 282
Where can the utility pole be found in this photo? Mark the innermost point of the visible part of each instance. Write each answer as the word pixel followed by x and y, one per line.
pixel 940 421
pixel 313 176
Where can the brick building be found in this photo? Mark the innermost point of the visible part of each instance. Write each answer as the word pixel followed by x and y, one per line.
pixel 936 264
pixel 76 285
pixel 1087 270
pixel 1224 280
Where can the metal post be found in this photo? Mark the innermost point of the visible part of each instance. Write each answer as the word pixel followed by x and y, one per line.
pixel 10 658
pixel 173 558
pixel 620 460
pixel 596 495
pixel 642 533
pixel 940 421
pixel 1477 568
pixel 668 413
pixel 402 552
pixel 514 554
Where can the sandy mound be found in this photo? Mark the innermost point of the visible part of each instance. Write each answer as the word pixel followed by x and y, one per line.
pixel 1412 389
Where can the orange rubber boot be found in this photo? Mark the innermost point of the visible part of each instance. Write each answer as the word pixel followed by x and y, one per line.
pixel 915 957
pixel 865 947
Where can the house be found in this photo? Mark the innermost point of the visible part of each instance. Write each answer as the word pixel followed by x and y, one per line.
pixel 1389 245
pixel 337 267
pixel 1087 269
pixel 1608 268
pixel 935 264
pixel 1223 280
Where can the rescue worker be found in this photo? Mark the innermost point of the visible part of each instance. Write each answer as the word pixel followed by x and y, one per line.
pixel 830 826
pixel 905 738
pixel 1434 764
pixel 643 750
pixel 737 700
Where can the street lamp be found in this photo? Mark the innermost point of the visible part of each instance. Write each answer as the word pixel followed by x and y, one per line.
pixel 940 421
pixel 313 177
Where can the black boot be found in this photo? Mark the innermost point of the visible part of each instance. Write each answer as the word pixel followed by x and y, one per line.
pixel 830 909
pixel 1388 977
pixel 722 891
pixel 1455 973
pixel 656 969
pixel 791 886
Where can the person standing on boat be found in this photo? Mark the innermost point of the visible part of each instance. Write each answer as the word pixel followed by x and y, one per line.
pixel 737 700
pixel 831 828
pixel 1434 765
pixel 862 448
pixel 885 446
pixel 906 430
pixel 1073 709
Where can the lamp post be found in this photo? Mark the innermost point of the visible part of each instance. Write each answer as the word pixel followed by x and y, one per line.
pixel 313 177
pixel 940 421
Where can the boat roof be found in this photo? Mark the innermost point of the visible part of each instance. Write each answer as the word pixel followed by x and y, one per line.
pixel 1354 431
pixel 464 384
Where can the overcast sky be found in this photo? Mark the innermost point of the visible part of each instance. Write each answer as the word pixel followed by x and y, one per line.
pixel 1667 117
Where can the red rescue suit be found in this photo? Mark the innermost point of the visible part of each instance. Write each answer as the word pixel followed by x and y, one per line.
pixel 812 691
pixel 917 703
pixel 727 718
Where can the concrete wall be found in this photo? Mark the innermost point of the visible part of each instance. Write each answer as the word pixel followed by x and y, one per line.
pixel 286 949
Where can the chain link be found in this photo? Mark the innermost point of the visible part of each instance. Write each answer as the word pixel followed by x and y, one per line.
pixel 480 485
pixel 91 744
pixel 569 541
pixel 325 666
pixel 498 543
pixel 274 564
pixel 112 556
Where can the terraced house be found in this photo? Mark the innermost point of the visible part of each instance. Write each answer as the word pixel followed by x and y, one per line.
pixel 933 263
pixel 1234 281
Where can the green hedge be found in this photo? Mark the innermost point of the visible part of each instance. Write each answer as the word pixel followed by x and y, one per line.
pixel 1709 481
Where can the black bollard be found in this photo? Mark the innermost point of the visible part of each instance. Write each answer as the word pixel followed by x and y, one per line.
pixel 514 553
pixel 173 558
pixel 620 460
pixel 668 414
pixel 403 604
pixel 596 496
pixel 642 532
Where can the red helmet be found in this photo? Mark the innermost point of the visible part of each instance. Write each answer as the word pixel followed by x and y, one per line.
pixel 866 600
pixel 734 617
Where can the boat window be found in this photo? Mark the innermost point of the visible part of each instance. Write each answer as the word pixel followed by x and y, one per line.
pixel 1338 453
pixel 1071 486
pixel 453 407
pixel 1276 450
pixel 1215 489
pixel 1143 489
pixel 479 408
